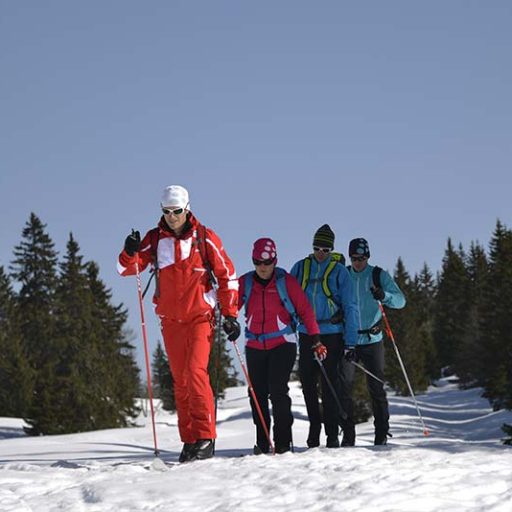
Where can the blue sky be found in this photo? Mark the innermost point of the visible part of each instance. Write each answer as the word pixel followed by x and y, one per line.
pixel 388 120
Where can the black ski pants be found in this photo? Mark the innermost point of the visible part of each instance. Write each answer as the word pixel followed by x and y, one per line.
pixel 371 356
pixel 310 372
pixel 269 371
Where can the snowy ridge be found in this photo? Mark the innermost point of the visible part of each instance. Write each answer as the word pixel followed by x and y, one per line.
pixel 461 466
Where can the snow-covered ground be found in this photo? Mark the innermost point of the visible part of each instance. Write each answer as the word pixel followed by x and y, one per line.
pixel 461 466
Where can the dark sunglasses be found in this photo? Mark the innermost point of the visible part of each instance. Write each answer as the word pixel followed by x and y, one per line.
pixel 267 263
pixel 176 211
pixel 357 258
pixel 326 250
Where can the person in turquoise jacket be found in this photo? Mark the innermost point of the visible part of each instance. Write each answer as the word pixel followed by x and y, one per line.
pixel 372 285
pixel 330 291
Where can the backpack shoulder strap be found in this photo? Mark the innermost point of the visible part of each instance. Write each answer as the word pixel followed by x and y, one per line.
pixel 203 251
pixel 325 286
pixel 376 271
pixel 306 271
pixel 283 294
pixel 248 281
pixel 338 256
pixel 154 238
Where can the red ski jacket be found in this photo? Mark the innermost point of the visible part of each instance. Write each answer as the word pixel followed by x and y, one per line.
pixel 265 313
pixel 185 293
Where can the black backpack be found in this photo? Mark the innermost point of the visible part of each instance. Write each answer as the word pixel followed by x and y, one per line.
pixel 375 275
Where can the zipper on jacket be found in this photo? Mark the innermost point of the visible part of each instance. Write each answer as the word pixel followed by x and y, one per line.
pixel 314 288
pixel 263 317
pixel 359 300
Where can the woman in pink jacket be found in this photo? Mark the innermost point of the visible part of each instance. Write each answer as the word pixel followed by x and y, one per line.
pixel 271 345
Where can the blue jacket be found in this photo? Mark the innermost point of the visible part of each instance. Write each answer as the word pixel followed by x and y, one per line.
pixel 342 289
pixel 369 312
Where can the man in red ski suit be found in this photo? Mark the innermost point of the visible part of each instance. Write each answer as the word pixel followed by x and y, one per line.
pixel 184 301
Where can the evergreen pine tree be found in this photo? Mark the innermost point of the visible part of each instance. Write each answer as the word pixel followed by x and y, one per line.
pixel 117 370
pixel 75 407
pixel 451 306
pixel 34 267
pixel 425 292
pixel 162 379
pixel 468 360
pixel 15 375
pixel 426 286
pixel 497 321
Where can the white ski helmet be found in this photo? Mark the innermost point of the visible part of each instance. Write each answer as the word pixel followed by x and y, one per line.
pixel 175 195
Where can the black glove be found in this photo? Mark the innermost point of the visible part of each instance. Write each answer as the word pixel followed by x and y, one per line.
pixel 231 328
pixel 349 354
pixel 337 318
pixel 378 293
pixel 132 243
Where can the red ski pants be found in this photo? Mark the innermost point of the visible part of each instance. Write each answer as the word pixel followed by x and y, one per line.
pixel 188 350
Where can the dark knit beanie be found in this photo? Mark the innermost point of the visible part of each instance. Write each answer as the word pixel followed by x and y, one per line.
pixel 359 247
pixel 324 237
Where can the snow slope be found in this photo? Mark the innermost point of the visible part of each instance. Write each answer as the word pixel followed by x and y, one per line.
pixel 461 466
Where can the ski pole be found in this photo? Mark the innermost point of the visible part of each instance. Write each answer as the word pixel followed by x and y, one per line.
pixel 146 353
pixel 253 394
pixel 218 319
pixel 217 358
pixel 343 414
pixel 392 338
pixel 368 372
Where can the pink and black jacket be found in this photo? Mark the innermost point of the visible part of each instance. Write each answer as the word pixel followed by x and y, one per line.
pixel 268 322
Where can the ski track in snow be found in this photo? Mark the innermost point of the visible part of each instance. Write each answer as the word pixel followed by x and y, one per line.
pixel 460 466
